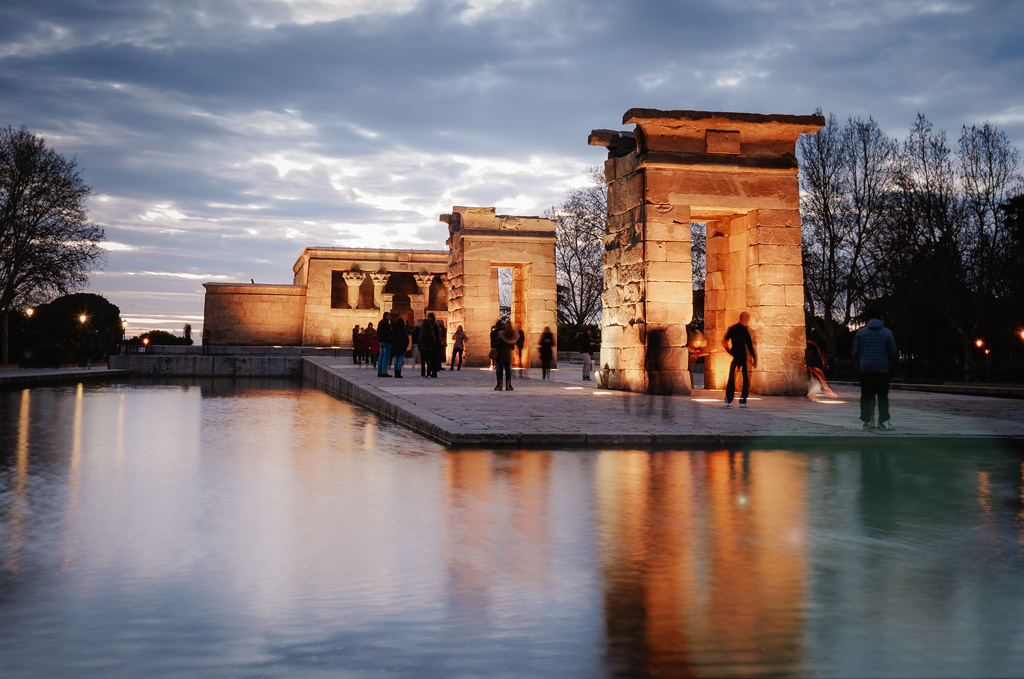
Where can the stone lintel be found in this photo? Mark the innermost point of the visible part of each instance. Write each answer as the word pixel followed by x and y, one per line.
pixel 255 289
pixel 618 142
pixel 714 162
pixel 706 120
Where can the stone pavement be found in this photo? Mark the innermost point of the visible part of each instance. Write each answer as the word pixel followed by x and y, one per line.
pixel 12 379
pixel 462 409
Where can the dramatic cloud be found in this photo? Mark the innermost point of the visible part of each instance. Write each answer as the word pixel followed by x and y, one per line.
pixel 223 137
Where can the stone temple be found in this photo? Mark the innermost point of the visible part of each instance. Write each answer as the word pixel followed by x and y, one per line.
pixel 736 172
pixel 334 289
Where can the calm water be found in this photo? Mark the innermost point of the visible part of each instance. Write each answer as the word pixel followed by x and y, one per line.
pixel 266 530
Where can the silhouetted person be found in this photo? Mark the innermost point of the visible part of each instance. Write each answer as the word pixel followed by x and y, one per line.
pixel 654 362
pixel 399 343
pixel 874 349
pixel 738 342
pixel 520 341
pixel 816 371
pixel 384 342
pixel 458 347
pixel 547 351
pixel 428 339
pixel 355 344
pixel 207 334
pixel 586 347
pixel 506 339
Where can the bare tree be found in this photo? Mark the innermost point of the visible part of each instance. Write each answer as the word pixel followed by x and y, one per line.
pixel 47 245
pixel 579 247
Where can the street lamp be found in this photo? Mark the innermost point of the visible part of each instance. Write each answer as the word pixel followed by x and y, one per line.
pixel 29 311
pixel 83 318
pixel 979 343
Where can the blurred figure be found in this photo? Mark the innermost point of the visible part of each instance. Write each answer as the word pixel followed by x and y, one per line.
pixel 428 339
pixel 816 371
pixel 355 344
pixel 384 343
pixel 372 346
pixel 874 349
pixel 738 342
pixel 520 341
pixel 399 343
pixel 442 345
pixel 547 351
pixel 416 343
pixel 458 347
pixel 506 339
pixel 586 347
pixel 654 363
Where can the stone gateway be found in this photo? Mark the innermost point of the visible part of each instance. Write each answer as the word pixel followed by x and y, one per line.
pixel 736 172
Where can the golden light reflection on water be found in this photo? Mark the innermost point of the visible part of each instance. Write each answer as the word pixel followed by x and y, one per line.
pixel 713 545
pixel 17 512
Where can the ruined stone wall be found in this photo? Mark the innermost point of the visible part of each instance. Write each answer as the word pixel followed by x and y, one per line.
pixel 254 315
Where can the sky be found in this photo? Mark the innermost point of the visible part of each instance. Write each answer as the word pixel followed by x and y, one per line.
pixel 222 137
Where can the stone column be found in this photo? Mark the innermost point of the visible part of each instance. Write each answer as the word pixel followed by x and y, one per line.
pixel 387 301
pixel 353 279
pixel 380 279
pixel 424 281
pixel 419 306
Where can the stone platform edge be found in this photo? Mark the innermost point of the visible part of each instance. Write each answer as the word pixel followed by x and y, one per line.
pixel 446 432
pixel 61 377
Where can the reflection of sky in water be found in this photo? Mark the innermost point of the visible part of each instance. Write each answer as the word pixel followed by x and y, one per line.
pixel 222 531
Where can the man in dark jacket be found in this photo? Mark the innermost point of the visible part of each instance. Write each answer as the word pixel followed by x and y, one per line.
pixel 874 349
pixel 428 338
pixel 384 339
pixel 399 343
pixel 738 342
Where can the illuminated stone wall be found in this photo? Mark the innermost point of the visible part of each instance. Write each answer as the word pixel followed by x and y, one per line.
pixel 254 315
pixel 480 242
pixel 738 173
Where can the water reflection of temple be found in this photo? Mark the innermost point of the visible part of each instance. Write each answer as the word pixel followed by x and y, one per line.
pixel 497 527
pixel 704 560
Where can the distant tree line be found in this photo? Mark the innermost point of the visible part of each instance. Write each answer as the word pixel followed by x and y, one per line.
pixel 930 232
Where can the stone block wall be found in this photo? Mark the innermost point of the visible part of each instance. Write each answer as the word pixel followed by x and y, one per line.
pixel 260 315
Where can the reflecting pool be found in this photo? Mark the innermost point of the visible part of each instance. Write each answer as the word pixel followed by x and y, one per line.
pixel 263 529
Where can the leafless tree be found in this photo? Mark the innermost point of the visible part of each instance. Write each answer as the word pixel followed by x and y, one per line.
pixel 579 247
pixel 47 244
pixel 846 173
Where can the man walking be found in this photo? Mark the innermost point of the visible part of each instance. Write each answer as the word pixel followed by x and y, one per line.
pixel 874 349
pixel 384 339
pixel 738 342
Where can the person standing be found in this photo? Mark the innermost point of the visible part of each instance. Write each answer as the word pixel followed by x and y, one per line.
pixel 427 340
pixel 547 351
pixel 399 343
pixel 520 342
pixel 874 349
pixel 372 345
pixel 442 345
pixel 355 344
pixel 503 359
pixel 384 340
pixel 738 342
pixel 586 347
pixel 458 347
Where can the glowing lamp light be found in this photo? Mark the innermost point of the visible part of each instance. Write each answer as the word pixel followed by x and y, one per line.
pixel 986 351
pixel 979 343
pixel 1021 332
pixel 145 340
pixel 29 311
pixel 83 318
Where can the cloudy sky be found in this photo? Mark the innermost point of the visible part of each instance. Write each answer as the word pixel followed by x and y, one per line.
pixel 221 137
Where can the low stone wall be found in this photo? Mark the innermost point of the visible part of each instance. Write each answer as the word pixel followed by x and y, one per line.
pixel 185 365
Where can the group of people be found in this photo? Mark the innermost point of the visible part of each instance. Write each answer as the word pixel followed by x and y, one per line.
pixel 394 340
pixel 874 351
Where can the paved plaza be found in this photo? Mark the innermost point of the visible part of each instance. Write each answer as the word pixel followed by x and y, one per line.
pixel 462 408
